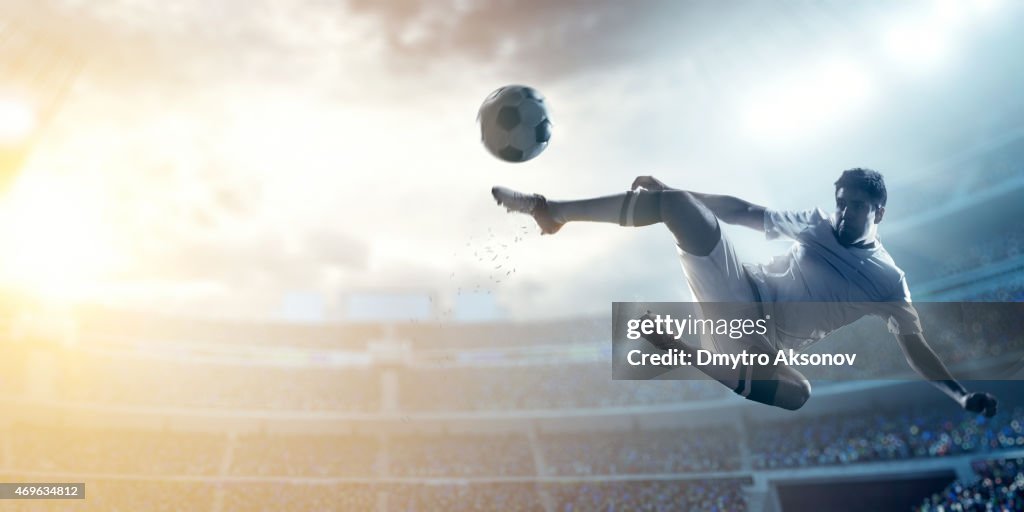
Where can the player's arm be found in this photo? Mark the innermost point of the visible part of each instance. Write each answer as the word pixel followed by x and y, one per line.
pixel 728 209
pixel 733 210
pixel 927 364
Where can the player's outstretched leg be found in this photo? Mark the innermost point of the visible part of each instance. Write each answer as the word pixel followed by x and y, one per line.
pixel 695 228
pixel 777 385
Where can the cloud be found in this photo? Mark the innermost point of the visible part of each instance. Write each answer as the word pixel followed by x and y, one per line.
pixel 538 38
pixel 153 47
pixel 264 260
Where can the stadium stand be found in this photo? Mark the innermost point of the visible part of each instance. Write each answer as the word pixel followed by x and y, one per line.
pixel 304 455
pixel 655 496
pixel 875 436
pixel 539 387
pixel 651 452
pixel 999 486
pixel 462 455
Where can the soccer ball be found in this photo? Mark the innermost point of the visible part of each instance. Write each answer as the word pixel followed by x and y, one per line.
pixel 514 124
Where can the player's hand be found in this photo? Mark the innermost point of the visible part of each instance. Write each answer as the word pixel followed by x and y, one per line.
pixel 648 183
pixel 981 403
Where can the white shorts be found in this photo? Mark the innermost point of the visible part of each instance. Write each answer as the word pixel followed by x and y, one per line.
pixel 719 276
pixel 719 282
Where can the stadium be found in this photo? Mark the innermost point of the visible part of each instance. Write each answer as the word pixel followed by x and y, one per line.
pixel 244 265
pixel 189 414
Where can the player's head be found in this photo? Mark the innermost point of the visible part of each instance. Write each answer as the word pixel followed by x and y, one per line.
pixel 860 205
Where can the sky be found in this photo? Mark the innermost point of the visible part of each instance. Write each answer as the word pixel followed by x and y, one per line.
pixel 270 159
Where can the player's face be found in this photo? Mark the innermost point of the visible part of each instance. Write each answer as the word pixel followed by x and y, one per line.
pixel 856 216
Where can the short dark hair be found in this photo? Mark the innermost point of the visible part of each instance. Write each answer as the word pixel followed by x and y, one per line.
pixel 867 180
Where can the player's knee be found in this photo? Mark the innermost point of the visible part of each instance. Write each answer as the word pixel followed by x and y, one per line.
pixel 641 208
pixel 696 229
pixel 780 386
pixel 676 202
pixel 793 394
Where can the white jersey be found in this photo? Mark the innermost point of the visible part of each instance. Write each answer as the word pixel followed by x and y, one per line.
pixel 844 283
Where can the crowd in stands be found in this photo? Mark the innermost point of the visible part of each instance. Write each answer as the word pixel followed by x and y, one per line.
pixel 287 497
pixel 154 383
pixel 854 437
pixel 166 384
pixel 174 496
pixel 160 383
pixel 123 496
pixel 657 451
pixel 85 378
pixel 306 455
pixel 170 496
pixel 175 453
pixel 888 435
pixel 650 496
pixel 461 455
pixel 191 496
pixel 175 470
pixel 540 387
pixel 432 335
pixel 990 332
pixel 1000 486
pixel 130 327
pixel 123 451
pixel 506 497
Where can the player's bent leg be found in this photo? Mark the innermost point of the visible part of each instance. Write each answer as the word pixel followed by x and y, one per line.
pixel 694 226
pixel 794 390
pixel 777 385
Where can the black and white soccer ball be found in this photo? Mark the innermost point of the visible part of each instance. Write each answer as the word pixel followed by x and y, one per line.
pixel 514 124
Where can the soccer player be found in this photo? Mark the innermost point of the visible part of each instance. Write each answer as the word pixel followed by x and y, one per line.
pixel 835 273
